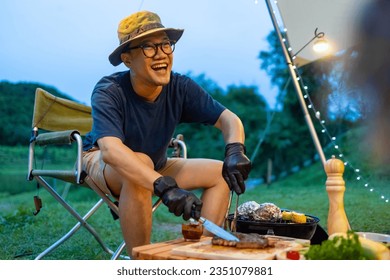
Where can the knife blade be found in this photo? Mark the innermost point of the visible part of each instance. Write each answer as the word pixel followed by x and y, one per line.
pixel 218 231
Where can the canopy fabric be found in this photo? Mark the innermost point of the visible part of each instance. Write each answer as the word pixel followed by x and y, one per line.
pixel 336 18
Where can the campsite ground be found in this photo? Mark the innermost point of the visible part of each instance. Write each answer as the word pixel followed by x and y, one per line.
pixel 24 235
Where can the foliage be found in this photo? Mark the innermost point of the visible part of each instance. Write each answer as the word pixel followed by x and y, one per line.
pixel 339 248
pixel 289 143
pixel 279 136
pixel 16 106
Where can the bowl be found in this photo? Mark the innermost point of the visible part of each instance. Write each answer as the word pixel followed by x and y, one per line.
pixel 280 227
pixel 192 231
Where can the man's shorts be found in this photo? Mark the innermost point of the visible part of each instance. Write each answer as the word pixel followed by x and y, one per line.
pixel 94 165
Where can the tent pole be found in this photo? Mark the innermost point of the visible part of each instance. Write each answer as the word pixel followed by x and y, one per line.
pixel 297 87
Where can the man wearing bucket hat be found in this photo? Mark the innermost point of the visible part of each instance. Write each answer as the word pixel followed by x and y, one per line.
pixel 135 113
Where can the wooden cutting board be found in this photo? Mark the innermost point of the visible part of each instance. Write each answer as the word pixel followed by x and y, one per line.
pixel 205 250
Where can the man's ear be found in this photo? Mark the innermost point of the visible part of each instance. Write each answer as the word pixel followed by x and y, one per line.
pixel 126 59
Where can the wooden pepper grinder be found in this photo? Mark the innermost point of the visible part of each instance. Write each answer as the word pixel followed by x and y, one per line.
pixel 335 186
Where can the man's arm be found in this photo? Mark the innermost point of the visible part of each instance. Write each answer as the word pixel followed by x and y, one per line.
pixel 131 168
pixel 126 163
pixel 236 166
pixel 231 127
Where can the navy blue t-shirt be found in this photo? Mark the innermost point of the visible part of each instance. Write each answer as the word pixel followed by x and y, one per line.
pixel 143 126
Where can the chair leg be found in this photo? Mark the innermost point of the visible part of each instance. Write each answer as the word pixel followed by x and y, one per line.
pixel 118 252
pixel 82 220
pixel 69 234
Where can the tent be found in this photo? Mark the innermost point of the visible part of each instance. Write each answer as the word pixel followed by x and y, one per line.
pixel 336 18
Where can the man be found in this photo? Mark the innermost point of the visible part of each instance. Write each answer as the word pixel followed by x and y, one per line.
pixel 134 117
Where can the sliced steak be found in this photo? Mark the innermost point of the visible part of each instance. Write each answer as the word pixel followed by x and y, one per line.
pixel 247 241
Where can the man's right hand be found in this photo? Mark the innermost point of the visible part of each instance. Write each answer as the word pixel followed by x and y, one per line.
pixel 179 201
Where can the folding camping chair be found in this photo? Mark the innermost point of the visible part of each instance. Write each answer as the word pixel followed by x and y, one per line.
pixel 58 121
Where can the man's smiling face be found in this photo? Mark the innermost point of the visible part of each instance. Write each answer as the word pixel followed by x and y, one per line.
pixel 152 71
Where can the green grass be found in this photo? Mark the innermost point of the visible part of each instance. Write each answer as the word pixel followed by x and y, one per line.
pixel 24 236
pixel 305 192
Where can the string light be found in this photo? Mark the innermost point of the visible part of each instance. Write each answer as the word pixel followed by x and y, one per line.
pixel 357 171
pixel 359 177
pixel 310 105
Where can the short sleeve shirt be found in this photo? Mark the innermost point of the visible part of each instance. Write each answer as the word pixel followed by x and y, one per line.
pixel 143 126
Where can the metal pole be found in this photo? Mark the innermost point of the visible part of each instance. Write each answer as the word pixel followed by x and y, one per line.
pixel 298 89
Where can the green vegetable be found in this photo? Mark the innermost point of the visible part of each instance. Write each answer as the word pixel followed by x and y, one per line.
pixel 338 248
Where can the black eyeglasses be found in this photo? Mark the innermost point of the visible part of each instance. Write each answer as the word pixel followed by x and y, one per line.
pixel 150 49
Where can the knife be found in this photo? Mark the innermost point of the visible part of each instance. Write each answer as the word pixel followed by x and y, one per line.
pixel 218 231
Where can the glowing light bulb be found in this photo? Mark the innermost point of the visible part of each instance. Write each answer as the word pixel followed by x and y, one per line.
pixel 320 45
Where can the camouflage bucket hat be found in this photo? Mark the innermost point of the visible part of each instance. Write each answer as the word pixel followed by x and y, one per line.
pixel 136 26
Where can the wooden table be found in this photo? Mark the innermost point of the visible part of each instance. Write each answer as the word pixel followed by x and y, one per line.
pixel 203 249
pixel 161 250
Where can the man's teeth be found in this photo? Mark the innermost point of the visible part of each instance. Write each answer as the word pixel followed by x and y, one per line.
pixel 159 66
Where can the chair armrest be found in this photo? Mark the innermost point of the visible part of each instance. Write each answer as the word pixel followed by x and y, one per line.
pixel 179 146
pixel 56 138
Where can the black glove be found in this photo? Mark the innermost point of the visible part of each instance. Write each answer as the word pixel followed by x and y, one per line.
pixel 179 201
pixel 236 167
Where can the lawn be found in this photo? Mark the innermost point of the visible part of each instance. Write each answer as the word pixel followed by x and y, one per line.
pixel 24 236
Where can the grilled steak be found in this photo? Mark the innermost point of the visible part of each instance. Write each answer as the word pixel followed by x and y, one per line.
pixel 247 241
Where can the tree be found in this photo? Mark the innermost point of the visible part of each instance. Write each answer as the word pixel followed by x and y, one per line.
pixel 323 85
pixel 16 106
pixel 252 109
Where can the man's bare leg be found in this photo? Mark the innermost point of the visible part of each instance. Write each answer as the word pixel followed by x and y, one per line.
pixel 206 174
pixel 135 208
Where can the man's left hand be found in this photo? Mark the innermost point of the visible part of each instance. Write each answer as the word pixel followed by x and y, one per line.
pixel 236 167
